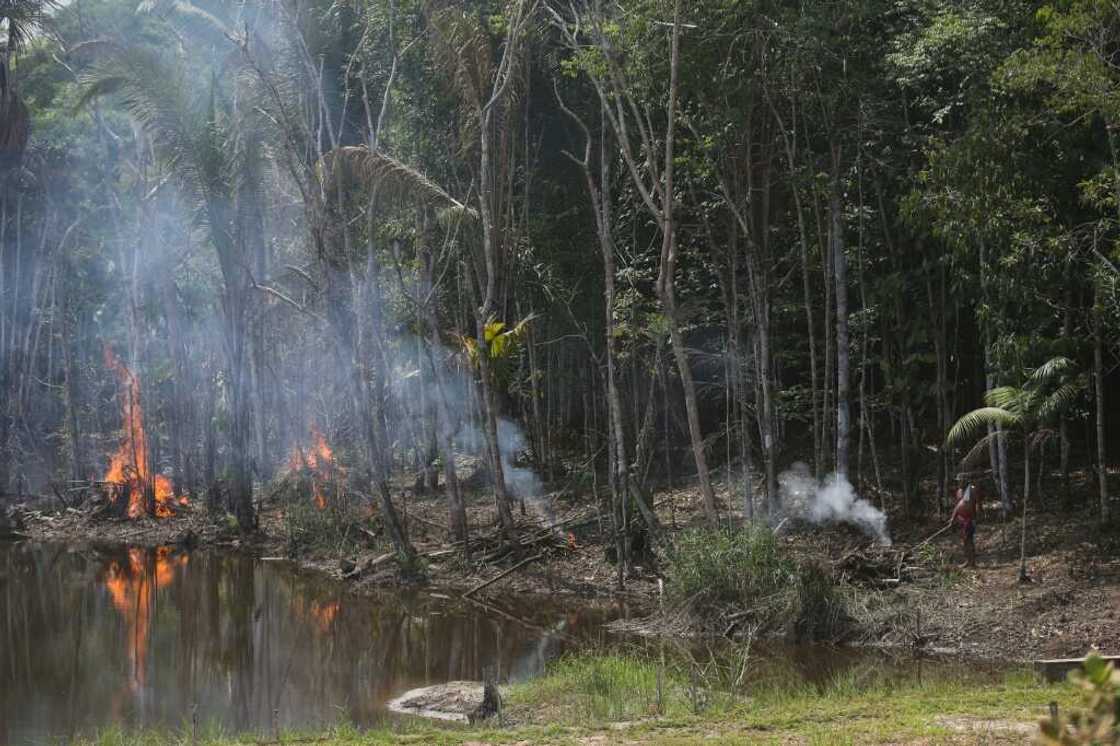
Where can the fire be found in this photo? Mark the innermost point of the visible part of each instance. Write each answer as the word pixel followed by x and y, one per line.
pixel 132 590
pixel 129 466
pixel 318 459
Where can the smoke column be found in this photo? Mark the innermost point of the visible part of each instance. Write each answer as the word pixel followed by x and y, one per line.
pixel 832 500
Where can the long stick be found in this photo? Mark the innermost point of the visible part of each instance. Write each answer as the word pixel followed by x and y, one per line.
pixel 941 531
pixel 495 579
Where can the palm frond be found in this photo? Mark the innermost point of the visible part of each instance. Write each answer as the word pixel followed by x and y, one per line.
pixel 977 421
pixel 1004 397
pixel 1060 401
pixel 23 18
pixel 1052 369
pixel 192 136
pixel 464 52
pixel 978 451
pixel 387 176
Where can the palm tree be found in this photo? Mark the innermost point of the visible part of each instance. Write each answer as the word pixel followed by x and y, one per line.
pixel 20 19
pixel 1031 410
pixel 213 148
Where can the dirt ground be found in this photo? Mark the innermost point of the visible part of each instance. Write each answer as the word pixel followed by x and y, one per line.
pixel 1071 605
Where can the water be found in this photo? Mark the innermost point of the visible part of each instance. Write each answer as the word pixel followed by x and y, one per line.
pixel 145 637
pixel 94 637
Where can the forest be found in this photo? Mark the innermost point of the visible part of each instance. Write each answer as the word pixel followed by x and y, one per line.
pixel 354 274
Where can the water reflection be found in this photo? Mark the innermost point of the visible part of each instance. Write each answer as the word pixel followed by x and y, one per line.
pixel 139 636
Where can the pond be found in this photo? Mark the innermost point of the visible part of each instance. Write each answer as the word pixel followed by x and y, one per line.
pixel 146 637
pixel 151 638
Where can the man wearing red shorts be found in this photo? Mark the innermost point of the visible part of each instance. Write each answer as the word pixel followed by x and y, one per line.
pixel 964 517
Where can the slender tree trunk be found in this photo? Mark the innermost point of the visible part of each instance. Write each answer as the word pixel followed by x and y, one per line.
pixel 457 514
pixel 937 312
pixel 667 287
pixel 806 283
pixel 1063 424
pixel 73 393
pixel 1098 380
pixel 1023 577
pixel 843 417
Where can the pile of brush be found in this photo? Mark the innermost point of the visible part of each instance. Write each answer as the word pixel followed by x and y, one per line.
pixel 873 564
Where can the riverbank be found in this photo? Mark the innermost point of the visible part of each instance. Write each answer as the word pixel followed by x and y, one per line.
pixel 915 596
pixel 601 700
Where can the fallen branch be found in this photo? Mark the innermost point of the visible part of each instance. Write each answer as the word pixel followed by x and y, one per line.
pixel 367 566
pixel 441 527
pixel 501 575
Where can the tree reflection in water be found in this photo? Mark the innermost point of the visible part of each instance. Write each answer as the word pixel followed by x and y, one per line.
pixel 137 636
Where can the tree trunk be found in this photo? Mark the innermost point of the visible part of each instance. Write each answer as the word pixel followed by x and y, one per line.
pixel 1023 577
pixel 666 286
pixel 840 260
pixel 457 515
pixel 1098 381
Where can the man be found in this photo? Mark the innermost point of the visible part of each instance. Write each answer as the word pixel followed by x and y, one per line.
pixel 964 516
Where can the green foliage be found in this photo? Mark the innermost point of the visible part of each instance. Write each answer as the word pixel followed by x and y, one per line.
pixel 330 531
pixel 500 341
pixel 716 574
pixel 710 571
pixel 1048 394
pixel 1099 722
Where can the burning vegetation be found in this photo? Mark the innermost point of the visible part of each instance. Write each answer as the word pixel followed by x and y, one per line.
pixel 133 487
pixel 317 465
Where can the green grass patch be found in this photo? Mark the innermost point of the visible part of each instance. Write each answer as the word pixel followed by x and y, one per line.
pixel 616 697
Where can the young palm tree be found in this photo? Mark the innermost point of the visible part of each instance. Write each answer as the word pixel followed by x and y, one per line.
pixel 1031 410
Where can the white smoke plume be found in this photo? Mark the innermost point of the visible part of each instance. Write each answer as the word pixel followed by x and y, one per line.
pixel 832 500
pixel 522 482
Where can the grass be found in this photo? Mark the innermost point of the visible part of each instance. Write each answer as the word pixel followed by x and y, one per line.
pixel 746 575
pixel 615 697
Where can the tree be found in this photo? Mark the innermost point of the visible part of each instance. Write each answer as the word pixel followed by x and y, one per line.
pixel 650 160
pixel 212 146
pixel 1033 410
pixel 21 19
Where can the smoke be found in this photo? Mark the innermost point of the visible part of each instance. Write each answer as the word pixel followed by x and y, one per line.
pixel 521 481
pixel 832 500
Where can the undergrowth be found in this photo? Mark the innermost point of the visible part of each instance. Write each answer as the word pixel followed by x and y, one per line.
pixel 331 530
pixel 742 578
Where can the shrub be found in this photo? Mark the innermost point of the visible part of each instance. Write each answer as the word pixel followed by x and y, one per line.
pixel 710 571
pixel 331 530
pixel 1099 723
pixel 743 574
pixel 820 612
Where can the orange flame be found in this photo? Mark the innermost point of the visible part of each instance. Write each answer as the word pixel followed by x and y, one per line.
pixel 318 458
pixel 128 467
pixel 131 589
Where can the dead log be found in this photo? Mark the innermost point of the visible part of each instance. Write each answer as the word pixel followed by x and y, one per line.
pixel 501 575
pixel 368 565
